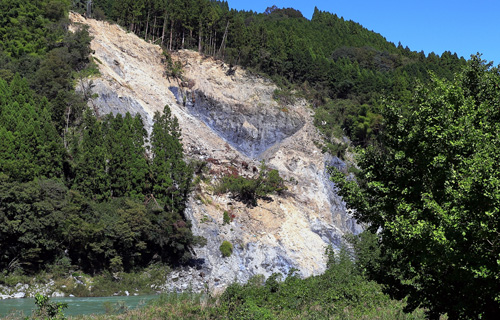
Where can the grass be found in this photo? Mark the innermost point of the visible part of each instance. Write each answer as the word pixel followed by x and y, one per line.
pixel 201 306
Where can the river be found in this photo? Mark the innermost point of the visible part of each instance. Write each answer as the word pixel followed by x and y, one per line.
pixel 76 306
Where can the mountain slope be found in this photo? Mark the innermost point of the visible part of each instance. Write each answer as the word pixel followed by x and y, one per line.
pixel 230 120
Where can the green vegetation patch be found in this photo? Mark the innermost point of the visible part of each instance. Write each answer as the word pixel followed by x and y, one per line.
pixel 226 248
pixel 248 190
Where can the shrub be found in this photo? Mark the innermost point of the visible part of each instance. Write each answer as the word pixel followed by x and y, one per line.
pixel 226 248
pixel 172 69
pixel 47 309
pixel 226 218
pixel 249 189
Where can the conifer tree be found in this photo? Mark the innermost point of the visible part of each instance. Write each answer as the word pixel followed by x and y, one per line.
pixel 30 145
pixel 91 176
pixel 138 158
pixel 171 175
pixel 128 167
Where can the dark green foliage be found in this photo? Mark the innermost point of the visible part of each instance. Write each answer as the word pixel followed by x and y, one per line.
pixel 31 214
pixel 362 125
pixel 250 189
pixel 28 26
pixel 127 160
pixel 91 176
pixel 41 219
pixel 48 144
pixel 108 235
pixel 111 162
pixel 37 45
pixel 29 144
pixel 172 69
pixel 54 77
pixel 171 235
pixel 366 250
pixel 431 191
pixel 226 248
pixel 171 176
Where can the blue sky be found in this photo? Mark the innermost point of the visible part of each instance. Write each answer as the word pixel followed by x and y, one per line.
pixel 464 27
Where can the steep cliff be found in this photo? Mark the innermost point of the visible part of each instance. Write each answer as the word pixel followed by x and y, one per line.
pixel 230 120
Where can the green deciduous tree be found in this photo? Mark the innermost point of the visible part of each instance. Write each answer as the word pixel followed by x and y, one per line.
pixel 30 217
pixel 432 191
pixel 110 235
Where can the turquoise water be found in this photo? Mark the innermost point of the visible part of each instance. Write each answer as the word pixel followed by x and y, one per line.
pixel 76 306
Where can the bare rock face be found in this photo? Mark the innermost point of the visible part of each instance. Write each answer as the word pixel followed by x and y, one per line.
pixel 230 120
pixel 110 102
pixel 250 130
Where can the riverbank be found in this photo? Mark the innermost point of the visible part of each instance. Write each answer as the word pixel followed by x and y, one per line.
pixel 149 281
pixel 342 292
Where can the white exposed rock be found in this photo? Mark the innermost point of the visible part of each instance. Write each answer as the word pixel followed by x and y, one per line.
pixel 57 294
pixel 19 295
pixel 230 121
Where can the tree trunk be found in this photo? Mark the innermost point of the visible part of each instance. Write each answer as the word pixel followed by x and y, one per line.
pixel 171 31
pixel 215 43
pixel 209 49
pixel 199 38
pixel 182 45
pixel 89 9
pixel 163 31
pixel 154 29
pixel 147 26
pixel 223 39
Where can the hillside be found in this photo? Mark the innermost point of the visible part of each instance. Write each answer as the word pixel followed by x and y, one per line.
pixel 171 170
pixel 233 123
pixel 342 68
